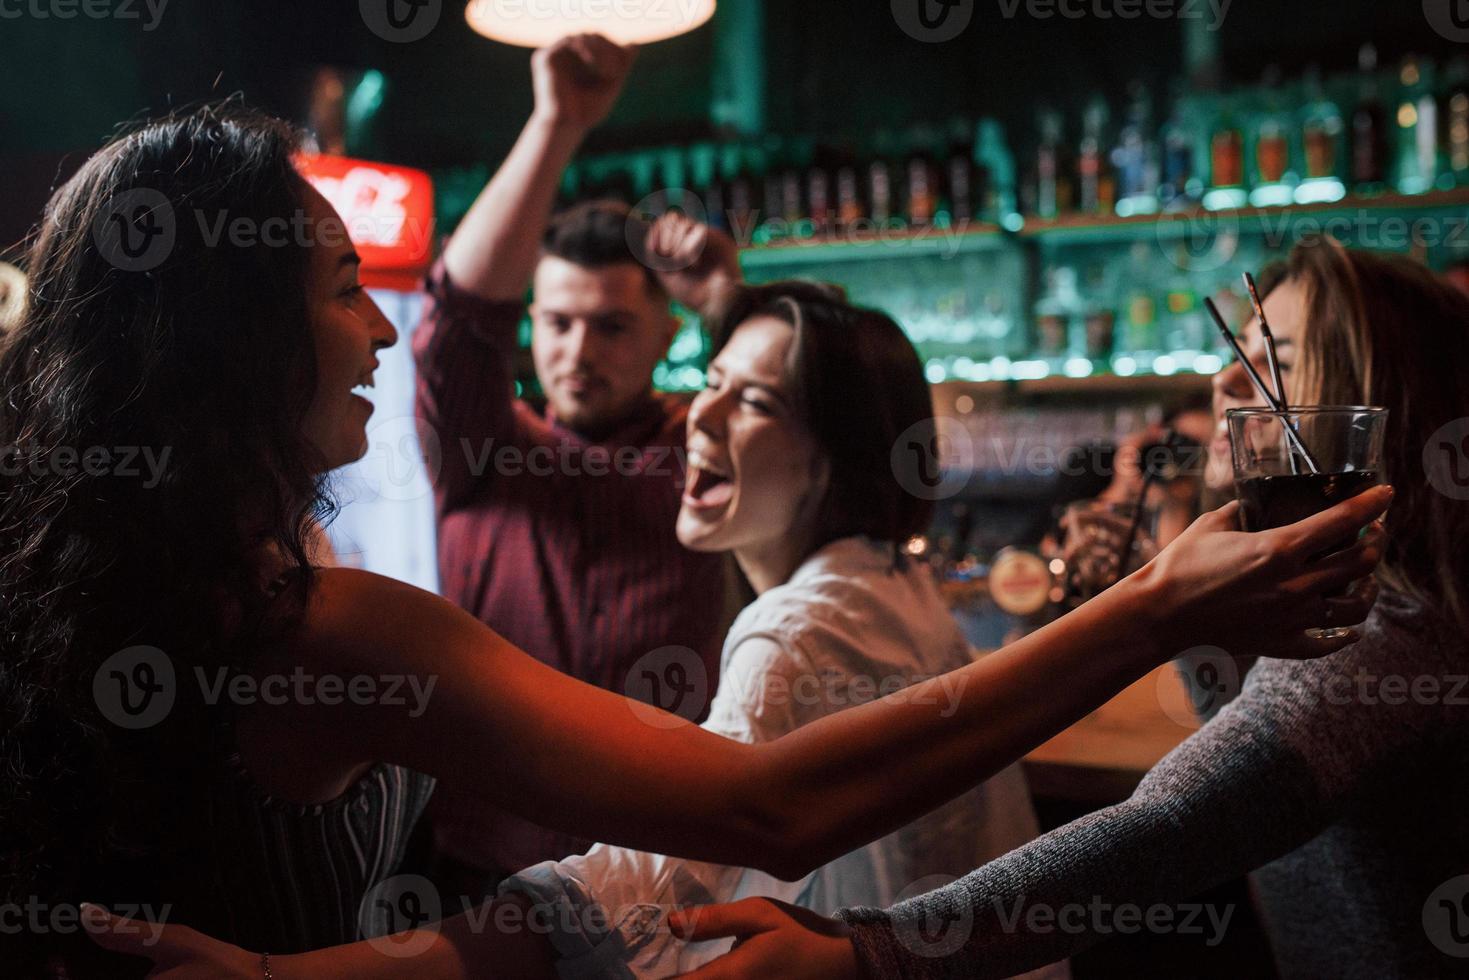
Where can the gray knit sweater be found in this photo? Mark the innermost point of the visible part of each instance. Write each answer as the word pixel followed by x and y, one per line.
pixel 1344 781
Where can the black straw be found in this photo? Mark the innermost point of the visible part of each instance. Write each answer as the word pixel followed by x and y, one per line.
pixel 1269 338
pixel 1259 383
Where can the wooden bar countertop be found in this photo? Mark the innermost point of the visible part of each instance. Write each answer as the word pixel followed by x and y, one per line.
pixel 1100 759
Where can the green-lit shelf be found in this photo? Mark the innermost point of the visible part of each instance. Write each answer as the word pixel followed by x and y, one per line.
pixel 1075 229
pixel 876 243
pixel 1283 219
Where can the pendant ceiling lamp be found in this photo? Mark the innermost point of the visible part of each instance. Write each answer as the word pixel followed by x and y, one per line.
pixel 537 23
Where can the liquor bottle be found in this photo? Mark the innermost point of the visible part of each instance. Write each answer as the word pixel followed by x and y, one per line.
pixel 997 163
pixel 1226 161
pixel 921 183
pixel 1322 134
pixel 1417 126
pixel 1099 315
pixel 1369 128
pixel 741 169
pixel 1053 189
pixel 1097 186
pixel 963 188
pixel 882 180
pixel 1140 340
pixel 1273 178
pixel 1053 314
pixel 851 211
pixel 1456 121
pixel 707 184
pixel 1179 187
pixel 1135 158
pixel 792 196
pixel 821 192
pixel 1184 330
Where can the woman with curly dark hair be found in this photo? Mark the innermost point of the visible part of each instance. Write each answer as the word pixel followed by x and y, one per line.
pixel 189 722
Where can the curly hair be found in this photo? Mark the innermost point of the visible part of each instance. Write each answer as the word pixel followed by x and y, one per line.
pixel 203 359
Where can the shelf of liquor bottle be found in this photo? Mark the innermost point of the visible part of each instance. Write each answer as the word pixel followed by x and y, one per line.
pixel 1071 229
pixel 1284 220
pixel 870 241
pixel 949 393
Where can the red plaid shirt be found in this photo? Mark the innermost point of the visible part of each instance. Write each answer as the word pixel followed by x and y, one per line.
pixel 581 571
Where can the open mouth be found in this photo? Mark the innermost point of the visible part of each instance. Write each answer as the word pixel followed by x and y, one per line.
pixel 361 389
pixel 709 485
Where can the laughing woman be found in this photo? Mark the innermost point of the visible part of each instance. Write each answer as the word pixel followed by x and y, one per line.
pixel 794 477
pixel 268 824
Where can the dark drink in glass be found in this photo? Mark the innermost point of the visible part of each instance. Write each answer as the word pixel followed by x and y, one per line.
pixel 1284 498
pixel 1292 464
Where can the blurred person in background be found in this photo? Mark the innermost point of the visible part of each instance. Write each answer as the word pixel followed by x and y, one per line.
pixel 568 549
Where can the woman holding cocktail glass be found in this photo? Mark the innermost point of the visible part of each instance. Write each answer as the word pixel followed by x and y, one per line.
pixel 1342 783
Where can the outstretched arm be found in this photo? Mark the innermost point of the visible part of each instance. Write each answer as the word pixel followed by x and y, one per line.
pixel 1291 743
pixel 596 764
pixel 589 762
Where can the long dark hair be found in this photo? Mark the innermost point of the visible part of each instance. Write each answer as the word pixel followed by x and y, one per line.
pixel 198 352
pixel 857 386
pixel 1383 330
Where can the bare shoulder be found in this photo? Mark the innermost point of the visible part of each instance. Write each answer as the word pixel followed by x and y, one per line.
pixel 356 618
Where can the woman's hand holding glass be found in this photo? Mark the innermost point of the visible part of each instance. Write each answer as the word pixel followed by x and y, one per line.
pixel 1257 593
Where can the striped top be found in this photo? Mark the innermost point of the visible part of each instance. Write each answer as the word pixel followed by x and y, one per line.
pixel 287 877
pixel 257 871
pixel 562 545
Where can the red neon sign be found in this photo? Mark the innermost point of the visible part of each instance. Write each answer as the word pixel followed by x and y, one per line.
pixel 389 212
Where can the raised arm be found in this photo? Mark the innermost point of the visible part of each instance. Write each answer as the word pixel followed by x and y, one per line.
pixel 494 250
pixel 465 346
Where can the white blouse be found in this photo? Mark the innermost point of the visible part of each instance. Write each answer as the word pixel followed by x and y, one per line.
pixel 846 628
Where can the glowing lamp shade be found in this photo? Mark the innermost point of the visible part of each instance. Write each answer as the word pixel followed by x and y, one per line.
pixel 537 23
